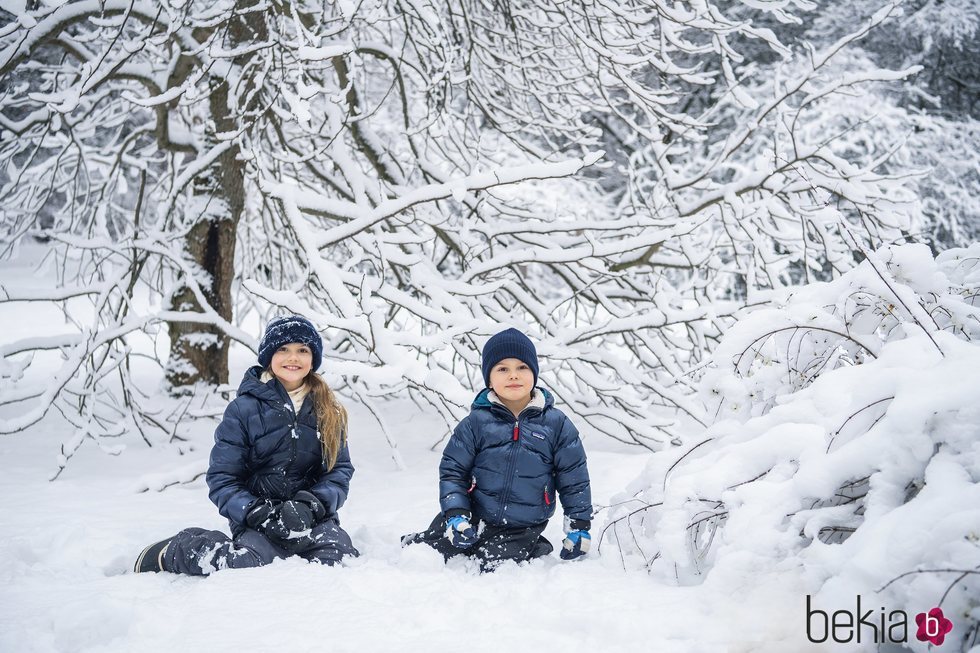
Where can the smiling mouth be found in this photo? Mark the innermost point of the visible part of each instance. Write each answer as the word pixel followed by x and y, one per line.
pixel 292 368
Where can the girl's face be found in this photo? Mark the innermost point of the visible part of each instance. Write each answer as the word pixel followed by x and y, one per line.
pixel 291 363
pixel 512 380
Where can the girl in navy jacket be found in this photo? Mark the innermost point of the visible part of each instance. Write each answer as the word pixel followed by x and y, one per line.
pixel 279 469
pixel 507 464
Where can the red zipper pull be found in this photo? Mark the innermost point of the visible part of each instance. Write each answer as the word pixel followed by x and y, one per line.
pixel 547 499
pixel 515 430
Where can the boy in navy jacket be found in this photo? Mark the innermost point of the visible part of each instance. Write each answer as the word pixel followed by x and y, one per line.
pixel 506 464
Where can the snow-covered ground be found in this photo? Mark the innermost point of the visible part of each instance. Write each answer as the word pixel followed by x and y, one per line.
pixel 68 546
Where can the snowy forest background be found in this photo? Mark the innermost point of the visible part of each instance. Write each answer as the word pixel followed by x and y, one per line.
pixel 740 232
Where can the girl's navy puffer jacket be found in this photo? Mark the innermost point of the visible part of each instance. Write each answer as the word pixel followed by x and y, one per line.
pixel 263 450
pixel 505 470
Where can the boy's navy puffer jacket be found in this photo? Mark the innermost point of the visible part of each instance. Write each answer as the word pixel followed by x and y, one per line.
pixel 505 470
pixel 263 450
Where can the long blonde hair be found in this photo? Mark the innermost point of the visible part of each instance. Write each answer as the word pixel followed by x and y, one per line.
pixel 331 418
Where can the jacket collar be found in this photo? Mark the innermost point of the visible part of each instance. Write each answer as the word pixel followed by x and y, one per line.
pixel 271 391
pixel 487 399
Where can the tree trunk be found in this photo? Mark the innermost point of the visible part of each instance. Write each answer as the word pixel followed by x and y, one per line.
pixel 199 352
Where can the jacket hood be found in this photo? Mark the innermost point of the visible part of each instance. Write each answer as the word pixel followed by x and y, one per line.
pixel 252 385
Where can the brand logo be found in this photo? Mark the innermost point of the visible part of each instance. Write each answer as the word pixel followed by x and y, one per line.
pixel 933 626
pixel 876 625
pixel 538 436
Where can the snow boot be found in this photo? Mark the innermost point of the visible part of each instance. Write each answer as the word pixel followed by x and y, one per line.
pixel 541 548
pixel 151 559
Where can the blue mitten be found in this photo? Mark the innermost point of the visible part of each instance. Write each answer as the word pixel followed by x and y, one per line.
pixel 460 532
pixel 575 545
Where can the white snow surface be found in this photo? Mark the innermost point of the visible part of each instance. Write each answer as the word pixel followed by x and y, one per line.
pixel 69 545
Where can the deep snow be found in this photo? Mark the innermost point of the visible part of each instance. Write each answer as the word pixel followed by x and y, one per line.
pixel 69 544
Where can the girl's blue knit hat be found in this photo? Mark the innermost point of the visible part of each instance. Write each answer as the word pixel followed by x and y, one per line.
pixel 284 330
pixel 509 344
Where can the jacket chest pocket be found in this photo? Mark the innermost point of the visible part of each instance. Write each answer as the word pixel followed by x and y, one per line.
pixel 537 435
pixel 537 451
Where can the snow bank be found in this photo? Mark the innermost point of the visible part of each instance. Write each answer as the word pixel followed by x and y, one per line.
pixel 846 444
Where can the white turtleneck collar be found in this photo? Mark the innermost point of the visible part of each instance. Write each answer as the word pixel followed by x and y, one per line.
pixel 295 396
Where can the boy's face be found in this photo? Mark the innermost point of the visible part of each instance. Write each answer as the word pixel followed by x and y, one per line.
pixel 291 363
pixel 512 379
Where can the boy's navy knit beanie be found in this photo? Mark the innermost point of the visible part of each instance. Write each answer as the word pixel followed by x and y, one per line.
pixel 509 344
pixel 284 330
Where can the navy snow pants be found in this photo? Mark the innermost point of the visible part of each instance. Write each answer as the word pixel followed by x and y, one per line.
pixel 199 552
pixel 496 544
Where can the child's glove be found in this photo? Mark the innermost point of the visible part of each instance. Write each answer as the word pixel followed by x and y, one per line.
pixel 460 532
pixel 315 505
pixel 295 518
pixel 575 545
pixel 262 513
pixel 281 521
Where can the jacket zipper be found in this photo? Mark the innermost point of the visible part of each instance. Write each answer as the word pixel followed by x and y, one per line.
pixel 511 464
pixel 294 436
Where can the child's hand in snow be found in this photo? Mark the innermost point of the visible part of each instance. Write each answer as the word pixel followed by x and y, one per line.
pixel 575 545
pixel 460 532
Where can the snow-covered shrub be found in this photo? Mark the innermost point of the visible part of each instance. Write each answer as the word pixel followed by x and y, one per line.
pixel 846 444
